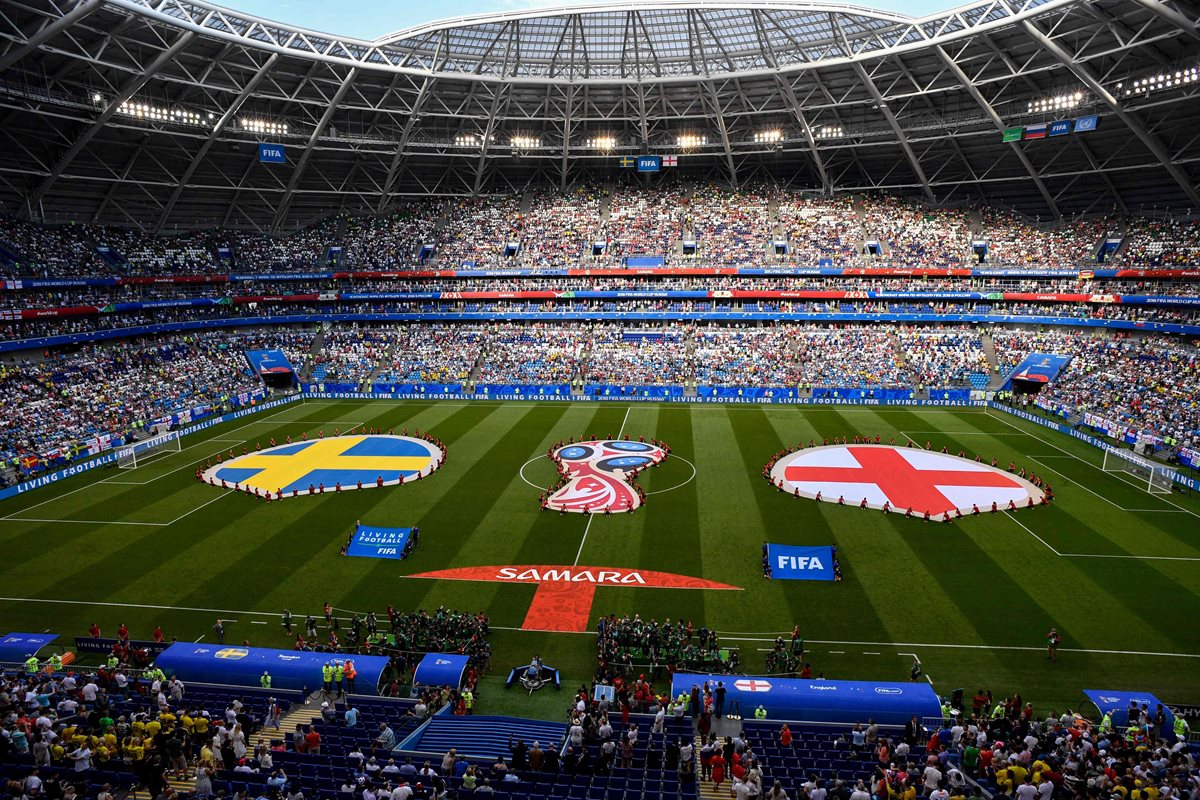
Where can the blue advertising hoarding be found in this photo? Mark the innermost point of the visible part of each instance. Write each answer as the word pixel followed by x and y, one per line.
pixel 794 563
pixel 244 666
pixel 16 647
pixel 1116 702
pixel 372 542
pixel 844 702
pixel 440 669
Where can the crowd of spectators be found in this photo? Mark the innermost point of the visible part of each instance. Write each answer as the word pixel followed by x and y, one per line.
pixel 1165 242
pixel 913 235
pixel 49 251
pixel 851 356
pixel 644 223
pixel 943 358
pixel 350 354
pixel 818 228
pixel 640 357
pixel 729 226
pixel 65 400
pixel 531 354
pixel 433 354
pixel 760 357
pixel 1015 241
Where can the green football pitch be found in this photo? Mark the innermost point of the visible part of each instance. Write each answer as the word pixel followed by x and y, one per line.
pixel 1114 567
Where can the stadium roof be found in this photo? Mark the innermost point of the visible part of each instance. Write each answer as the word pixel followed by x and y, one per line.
pixel 150 111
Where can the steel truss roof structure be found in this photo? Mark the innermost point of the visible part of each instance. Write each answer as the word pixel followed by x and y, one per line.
pixel 150 112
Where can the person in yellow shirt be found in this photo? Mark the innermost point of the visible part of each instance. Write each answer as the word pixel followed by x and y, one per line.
pixel 133 748
pixel 1039 767
pixel 57 752
pixel 1004 781
pixel 206 756
pixel 1018 773
pixel 152 728
pixel 201 725
pixel 189 724
pixel 168 721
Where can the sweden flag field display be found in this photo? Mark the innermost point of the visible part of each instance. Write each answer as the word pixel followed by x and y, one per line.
pixel 1114 568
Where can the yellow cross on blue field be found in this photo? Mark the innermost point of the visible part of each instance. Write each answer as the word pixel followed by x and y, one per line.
pixel 344 460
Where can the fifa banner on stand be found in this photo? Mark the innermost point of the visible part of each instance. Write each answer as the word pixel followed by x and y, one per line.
pixel 843 702
pixel 372 542
pixel 269 362
pixel 792 563
pixel 272 154
pixel 244 666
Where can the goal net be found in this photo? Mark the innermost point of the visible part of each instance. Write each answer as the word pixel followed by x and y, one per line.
pixel 139 453
pixel 1154 478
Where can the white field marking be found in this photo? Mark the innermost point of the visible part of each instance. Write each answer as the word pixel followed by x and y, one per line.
pixel 930 679
pixel 94 483
pixel 839 652
pixel 914 655
pixel 870 653
pixel 968 433
pixel 257 622
pixel 1097 494
pixel 624 419
pixel 84 521
pixel 1083 460
pixel 690 478
pixel 201 639
pixel 583 541
pixel 770 635
pixel 521 472
pixel 197 508
pixel 1031 533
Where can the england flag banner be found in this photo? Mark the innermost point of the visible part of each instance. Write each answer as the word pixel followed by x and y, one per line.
pixel 793 563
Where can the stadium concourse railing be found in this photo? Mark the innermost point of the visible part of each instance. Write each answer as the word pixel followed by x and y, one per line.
pixel 42 342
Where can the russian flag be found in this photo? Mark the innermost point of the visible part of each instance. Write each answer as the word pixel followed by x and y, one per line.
pixel 1035 131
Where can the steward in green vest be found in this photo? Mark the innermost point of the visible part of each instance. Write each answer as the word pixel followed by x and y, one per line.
pixel 265 680
pixel 760 713
pixel 1181 727
pixel 327 676
pixel 31 664
pixel 56 662
pixel 339 672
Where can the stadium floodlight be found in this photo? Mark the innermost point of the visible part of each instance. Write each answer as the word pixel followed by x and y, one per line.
pixel 1058 102
pixel 522 142
pixel 689 140
pixel 829 132
pixel 97 98
pixel 604 143
pixel 1162 80
pixel 466 140
pixel 263 126
pixel 156 113
pixel 768 136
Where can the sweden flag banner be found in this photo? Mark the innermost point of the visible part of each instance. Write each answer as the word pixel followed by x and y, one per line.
pixel 339 463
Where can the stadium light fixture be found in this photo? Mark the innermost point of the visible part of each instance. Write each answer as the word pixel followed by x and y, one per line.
pixel 1162 81
pixel 155 113
pixel 690 140
pixel 769 136
pixel 466 140
pixel 1059 102
pixel 521 142
pixel 255 125
pixel 829 132
pixel 604 143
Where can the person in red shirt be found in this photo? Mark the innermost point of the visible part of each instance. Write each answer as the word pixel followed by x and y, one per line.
pixel 158 634
pixel 785 736
pixel 312 741
pixel 94 631
pixel 123 632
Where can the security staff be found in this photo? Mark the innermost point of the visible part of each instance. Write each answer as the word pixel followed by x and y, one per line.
pixel 350 673
pixel 31 664
pixel 56 663
pixel 760 713
pixel 339 672
pixel 468 698
pixel 327 677
pixel 265 680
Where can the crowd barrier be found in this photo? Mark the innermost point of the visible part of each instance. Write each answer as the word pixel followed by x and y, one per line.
pixel 110 457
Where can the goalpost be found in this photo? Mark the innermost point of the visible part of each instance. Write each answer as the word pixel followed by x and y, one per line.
pixel 1154 478
pixel 139 453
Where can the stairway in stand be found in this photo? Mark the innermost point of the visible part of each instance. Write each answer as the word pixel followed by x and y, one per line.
pixel 298 714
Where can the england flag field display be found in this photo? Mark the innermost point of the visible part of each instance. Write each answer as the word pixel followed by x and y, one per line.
pixel 902 480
